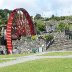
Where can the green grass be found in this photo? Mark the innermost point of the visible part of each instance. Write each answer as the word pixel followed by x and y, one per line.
pixel 42 65
pixel 7 60
pixel 14 55
pixel 57 54
pixel 3 61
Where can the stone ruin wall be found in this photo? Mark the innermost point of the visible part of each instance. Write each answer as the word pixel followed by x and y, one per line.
pixel 26 45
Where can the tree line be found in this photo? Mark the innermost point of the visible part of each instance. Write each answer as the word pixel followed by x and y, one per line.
pixel 3 15
pixel 53 17
pixel 40 25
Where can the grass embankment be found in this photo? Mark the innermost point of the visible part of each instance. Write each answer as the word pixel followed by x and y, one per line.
pixel 15 55
pixel 57 54
pixel 6 60
pixel 42 65
pixel 12 56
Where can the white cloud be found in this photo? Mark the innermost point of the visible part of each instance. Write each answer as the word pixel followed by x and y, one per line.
pixel 44 7
pixel 65 1
pixel 47 13
pixel 30 5
pixel 64 12
pixel 61 7
pixel 11 4
pixel 1 3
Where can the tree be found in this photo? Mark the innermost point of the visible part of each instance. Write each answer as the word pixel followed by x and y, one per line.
pixel 3 16
pixel 40 26
pixel 47 19
pixel 52 16
pixel 2 13
pixel 38 16
pixel 0 21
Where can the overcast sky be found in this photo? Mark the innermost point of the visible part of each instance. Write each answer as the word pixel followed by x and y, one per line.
pixel 44 7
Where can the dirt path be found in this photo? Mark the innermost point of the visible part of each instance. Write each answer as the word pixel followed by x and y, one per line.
pixel 30 58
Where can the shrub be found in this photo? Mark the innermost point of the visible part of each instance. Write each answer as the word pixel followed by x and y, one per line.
pixel 61 27
pixel 48 37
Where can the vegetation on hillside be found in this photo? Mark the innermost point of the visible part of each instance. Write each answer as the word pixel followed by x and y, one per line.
pixel 48 37
pixel 40 26
pixel 3 16
pixel 60 27
pixel 58 18
pixel 39 20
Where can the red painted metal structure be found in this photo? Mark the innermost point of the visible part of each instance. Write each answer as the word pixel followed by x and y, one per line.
pixel 18 26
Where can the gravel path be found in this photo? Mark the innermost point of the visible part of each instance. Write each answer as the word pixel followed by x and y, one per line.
pixel 29 58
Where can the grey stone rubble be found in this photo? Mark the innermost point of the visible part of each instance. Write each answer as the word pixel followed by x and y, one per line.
pixel 2 48
pixel 61 42
pixel 25 46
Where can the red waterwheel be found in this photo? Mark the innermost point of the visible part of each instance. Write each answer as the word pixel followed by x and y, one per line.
pixel 19 24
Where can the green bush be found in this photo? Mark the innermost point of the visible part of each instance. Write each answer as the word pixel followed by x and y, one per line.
pixel 66 27
pixel 40 26
pixel 61 27
pixel 48 37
